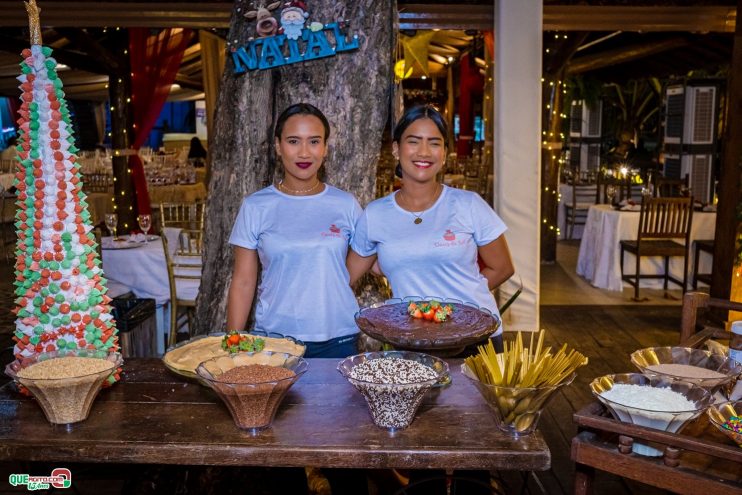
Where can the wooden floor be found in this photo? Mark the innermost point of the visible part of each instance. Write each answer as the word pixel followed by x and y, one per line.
pixel 606 335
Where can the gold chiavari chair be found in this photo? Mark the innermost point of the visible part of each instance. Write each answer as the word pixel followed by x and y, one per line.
pixel 184 277
pixel 182 215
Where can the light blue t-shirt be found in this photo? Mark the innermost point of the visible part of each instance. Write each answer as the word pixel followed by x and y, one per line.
pixel 302 243
pixel 437 257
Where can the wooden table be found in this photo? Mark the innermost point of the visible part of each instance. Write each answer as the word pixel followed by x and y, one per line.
pixel 699 460
pixel 154 417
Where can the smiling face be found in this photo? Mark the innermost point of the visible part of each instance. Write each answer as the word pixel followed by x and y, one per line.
pixel 421 150
pixel 302 148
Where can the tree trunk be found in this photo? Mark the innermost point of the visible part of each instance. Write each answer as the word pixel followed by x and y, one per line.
pixel 727 215
pixel 351 88
pixel 119 91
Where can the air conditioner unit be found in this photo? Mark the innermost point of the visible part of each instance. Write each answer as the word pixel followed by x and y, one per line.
pixel 700 176
pixel 699 171
pixel 674 106
pixel 585 157
pixel 585 122
pixel 575 119
pixel 700 115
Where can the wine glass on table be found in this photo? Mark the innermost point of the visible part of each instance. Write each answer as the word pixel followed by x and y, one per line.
pixel 112 221
pixel 145 223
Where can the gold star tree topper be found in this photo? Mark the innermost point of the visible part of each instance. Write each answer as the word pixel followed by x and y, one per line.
pixel 34 24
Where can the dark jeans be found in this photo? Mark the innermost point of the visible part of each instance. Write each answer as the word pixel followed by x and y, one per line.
pixel 339 347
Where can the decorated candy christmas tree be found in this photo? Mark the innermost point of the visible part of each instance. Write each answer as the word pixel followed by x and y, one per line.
pixel 59 285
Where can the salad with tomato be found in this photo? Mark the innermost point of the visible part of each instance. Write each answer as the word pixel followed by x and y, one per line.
pixel 234 342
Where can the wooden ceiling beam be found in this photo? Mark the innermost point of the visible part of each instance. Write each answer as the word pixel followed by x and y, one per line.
pixel 697 19
pixel 189 82
pixel 121 14
pixel 622 55
pixel 707 18
pixel 63 56
pixel 564 53
pixel 83 42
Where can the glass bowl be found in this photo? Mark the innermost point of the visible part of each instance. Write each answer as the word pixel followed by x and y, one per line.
pixel 393 405
pixel 390 323
pixel 184 357
pixel 685 360
pixel 65 399
pixel 720 413
pixel 516 409
pixel 664 420
pixel 252 405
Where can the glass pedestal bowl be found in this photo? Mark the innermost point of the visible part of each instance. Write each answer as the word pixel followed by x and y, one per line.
pixel 720 413
pixel 252 405
pixel 67 397
pixel 393 405
pixel 517 410
pixel 665 420
pixel 688 365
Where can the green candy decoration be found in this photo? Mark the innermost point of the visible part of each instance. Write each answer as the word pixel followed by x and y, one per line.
pixel 61 343
pixel 46 51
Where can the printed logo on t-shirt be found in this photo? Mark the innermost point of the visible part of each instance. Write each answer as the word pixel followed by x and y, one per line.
pixel 450 240
pixel 334 231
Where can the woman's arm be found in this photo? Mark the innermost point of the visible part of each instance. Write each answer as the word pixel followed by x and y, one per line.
pixel 358 265
pixel 242 288
pixel 498 265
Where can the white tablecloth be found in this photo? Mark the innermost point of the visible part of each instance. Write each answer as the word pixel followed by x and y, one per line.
pixel 565 194
pixel 144 271
pixel 600 253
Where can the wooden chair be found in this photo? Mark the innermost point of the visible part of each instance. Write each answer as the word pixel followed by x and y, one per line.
pixel 662 222
pixel 184 277
pixel 668 188
pixel 583 196
pixel 183 215
pixel 634 192
pixel 692 333
pixel 706 246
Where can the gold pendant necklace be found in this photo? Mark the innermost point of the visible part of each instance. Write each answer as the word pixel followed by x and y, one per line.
pixel 418 216
pixel 297 191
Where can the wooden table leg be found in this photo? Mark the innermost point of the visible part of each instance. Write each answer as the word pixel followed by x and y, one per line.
pixel 584 476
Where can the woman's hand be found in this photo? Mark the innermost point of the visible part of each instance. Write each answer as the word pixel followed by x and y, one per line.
pixel 358 265
pixel 242 288
pixel 498 265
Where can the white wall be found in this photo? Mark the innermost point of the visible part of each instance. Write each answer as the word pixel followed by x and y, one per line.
pixel 518 44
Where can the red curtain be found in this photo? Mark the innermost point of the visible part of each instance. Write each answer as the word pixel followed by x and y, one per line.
pixel 471 85
pixel 155 60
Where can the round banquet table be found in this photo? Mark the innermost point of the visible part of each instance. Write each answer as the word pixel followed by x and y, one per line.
pixel 144 270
